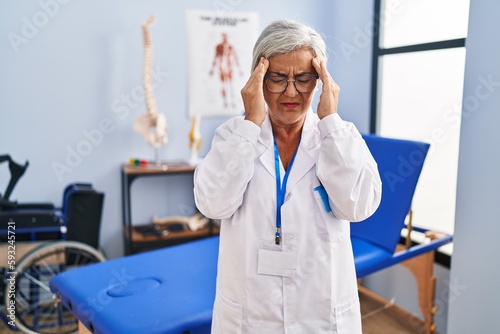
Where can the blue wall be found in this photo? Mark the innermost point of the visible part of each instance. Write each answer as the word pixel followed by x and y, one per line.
pixel 67 67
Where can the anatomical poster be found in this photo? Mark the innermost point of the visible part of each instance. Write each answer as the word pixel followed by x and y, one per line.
pixel 220 45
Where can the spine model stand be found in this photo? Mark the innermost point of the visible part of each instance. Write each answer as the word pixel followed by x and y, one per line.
pixel 152 125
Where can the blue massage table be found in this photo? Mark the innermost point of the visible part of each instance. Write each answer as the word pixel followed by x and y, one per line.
pixel 170 290
pixel 375 239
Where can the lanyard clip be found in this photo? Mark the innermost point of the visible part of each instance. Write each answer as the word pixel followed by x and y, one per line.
pixel 277 236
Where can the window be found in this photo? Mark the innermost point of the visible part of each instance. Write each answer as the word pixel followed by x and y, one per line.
pixel 417 87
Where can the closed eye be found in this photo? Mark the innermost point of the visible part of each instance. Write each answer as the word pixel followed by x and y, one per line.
pixel 304 78
pixel 276 78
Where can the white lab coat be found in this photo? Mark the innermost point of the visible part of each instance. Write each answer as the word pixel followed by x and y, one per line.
pixel 307 284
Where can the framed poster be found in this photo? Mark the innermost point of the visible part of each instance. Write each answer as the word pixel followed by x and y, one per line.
pixel 220 46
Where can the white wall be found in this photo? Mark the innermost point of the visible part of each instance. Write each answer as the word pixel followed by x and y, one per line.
pixel 66 68
pixel 475 273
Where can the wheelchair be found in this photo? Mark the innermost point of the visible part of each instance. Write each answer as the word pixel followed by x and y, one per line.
pixel 41 241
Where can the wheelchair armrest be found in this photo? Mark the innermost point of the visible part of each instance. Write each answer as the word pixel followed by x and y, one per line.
pixel 38 206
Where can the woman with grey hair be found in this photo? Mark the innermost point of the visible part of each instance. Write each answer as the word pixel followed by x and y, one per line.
pixel 286 182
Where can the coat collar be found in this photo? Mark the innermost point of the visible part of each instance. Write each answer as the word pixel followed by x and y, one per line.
pixel 305 158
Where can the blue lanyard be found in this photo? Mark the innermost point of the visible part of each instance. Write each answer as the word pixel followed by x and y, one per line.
pixel 280 188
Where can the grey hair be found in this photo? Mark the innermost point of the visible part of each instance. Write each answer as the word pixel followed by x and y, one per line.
pixel 283 36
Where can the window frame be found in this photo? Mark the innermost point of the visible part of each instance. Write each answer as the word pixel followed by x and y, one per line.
pixel 377 54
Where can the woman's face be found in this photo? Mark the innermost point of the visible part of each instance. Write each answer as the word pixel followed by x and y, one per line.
pixel 289 107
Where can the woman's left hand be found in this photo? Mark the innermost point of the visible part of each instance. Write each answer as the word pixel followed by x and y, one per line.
pixel 328 100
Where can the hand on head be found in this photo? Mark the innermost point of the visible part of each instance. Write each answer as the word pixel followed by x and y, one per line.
pixel 253 96
pixel 328 100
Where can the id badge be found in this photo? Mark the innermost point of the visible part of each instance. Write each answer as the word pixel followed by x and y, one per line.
pixel 277 263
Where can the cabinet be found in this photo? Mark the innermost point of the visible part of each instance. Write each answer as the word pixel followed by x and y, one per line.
pixel 134 240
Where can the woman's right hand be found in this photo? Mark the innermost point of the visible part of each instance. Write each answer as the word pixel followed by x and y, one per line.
pixel 253 94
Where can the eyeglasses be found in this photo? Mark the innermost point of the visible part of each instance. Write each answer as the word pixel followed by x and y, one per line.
pixel 303 83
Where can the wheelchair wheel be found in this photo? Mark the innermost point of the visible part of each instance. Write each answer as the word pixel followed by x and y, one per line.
pixel 37 309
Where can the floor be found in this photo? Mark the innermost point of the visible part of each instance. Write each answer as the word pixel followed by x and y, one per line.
pixel 5 330
pixel 377 319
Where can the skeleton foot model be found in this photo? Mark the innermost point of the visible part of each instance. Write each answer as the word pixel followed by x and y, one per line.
pixel 195 140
